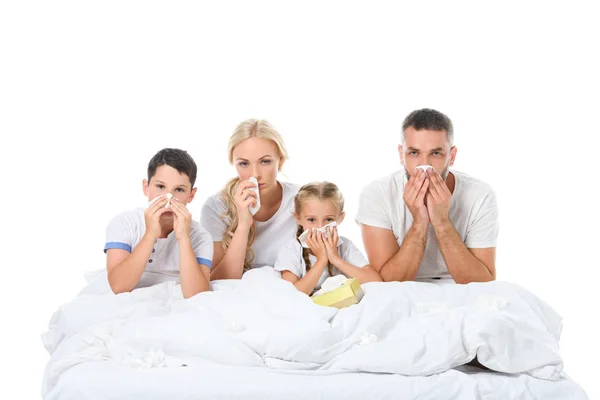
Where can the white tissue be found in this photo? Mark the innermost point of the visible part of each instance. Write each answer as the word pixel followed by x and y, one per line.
pixel 331 283
pixel 254 210
pixel 424 167
pixel 323 230
pixel 168 195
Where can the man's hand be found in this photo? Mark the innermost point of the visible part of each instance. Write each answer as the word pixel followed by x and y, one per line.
pixel 438 199
pixel 182 221
pixel 414 196
pixel 152 217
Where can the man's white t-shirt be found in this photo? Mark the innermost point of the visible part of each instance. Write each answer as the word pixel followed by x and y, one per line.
pixel 271 235
pixel 473 213
pixel 125 232
pixel 290 259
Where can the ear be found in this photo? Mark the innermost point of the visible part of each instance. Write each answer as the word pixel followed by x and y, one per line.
pixel 297 218
pixel 453 151
pixel 341 218
pixel 192 194
pixel 401 154
pixel 281 162
pixel 145 185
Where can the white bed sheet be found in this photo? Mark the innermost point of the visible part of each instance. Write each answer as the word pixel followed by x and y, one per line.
pixel 112 381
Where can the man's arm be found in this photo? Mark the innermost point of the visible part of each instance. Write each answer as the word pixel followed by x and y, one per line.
pixel 393 262
pixel 402 263
pixel 465 265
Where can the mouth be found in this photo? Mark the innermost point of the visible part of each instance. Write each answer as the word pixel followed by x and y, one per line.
pixel 261 185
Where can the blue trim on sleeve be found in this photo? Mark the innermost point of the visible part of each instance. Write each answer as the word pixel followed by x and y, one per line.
pixel 204 261
pixel 117 245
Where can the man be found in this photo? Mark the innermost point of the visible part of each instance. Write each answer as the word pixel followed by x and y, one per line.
pixel 423 223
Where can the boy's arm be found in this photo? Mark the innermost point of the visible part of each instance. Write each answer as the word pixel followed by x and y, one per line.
pixel 194 277
pixel 125 269
pixel 124 266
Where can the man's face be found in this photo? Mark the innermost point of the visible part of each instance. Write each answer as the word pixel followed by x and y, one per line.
pixel 426 147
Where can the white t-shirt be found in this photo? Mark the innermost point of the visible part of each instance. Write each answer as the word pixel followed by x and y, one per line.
pixel 271 235
pixel 290 259
pixel 473 213
pixel 126 230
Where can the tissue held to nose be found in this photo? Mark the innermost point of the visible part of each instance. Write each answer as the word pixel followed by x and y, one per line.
pixel 424 167
pixel 254 210
pixel 323 230
pixel 168 195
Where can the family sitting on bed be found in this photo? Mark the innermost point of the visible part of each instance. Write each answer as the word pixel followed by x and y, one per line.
pixel 423 222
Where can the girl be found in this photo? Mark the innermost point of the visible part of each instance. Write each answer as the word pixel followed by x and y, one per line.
pixel 317 205
pixel 243 239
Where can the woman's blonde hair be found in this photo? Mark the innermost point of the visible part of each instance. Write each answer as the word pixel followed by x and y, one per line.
pixel 250 128
pixel 316 191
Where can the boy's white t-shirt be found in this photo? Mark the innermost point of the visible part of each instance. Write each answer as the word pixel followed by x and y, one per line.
pixel 271 235
pixel 290 259
pixel 473 213
pixel 126 230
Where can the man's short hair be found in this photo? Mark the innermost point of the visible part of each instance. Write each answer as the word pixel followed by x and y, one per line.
pixel 431 120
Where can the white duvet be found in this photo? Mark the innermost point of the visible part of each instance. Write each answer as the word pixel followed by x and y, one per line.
pixel 410 329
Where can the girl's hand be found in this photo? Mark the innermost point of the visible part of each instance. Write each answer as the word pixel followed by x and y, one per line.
pixel 331 245
pixel 316 242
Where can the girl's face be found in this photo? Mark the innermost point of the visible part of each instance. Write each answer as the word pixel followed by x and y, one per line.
pixel 259 158
pixel 318 213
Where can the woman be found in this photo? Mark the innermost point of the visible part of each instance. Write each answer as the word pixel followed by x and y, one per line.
pixel 243 240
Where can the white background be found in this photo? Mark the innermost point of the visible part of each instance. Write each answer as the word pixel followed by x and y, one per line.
pixel 90 91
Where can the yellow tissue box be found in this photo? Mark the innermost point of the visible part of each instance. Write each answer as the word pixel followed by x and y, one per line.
pixel 349 293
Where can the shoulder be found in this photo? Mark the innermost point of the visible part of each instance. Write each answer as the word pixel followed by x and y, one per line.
pixel 130 217
pixel 387 182
pixel 384 189
pixel 471 186
pixel 292 247
pixel 289 190
pixel 214 203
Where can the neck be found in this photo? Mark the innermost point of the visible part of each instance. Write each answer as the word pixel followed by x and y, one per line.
pixel 450 182
pixel 272 197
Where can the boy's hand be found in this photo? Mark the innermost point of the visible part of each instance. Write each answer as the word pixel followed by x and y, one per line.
pixel 152 217
pixel 183 219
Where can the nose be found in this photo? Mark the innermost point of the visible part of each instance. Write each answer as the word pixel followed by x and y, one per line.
pixel 256 172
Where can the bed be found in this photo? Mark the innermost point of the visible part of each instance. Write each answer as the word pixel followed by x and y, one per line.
pixel 259 338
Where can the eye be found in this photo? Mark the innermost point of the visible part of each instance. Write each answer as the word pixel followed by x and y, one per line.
pixel 266 162
pixel 180 190
pixel 437 153
pixel 310 219
pixel 330 219
pixel 161 187
pixel 412 153
pixel 243 164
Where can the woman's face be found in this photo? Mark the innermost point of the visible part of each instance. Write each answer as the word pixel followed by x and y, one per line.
pixel 259 158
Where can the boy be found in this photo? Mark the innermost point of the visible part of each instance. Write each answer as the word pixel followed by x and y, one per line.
pixel 162 242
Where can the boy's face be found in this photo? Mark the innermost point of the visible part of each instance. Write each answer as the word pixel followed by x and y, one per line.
pixel 168 180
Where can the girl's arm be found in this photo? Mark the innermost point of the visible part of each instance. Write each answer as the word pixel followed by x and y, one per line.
pixel 364 274
pixel 307 283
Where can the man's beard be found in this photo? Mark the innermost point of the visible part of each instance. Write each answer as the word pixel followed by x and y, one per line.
pixel 443 174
